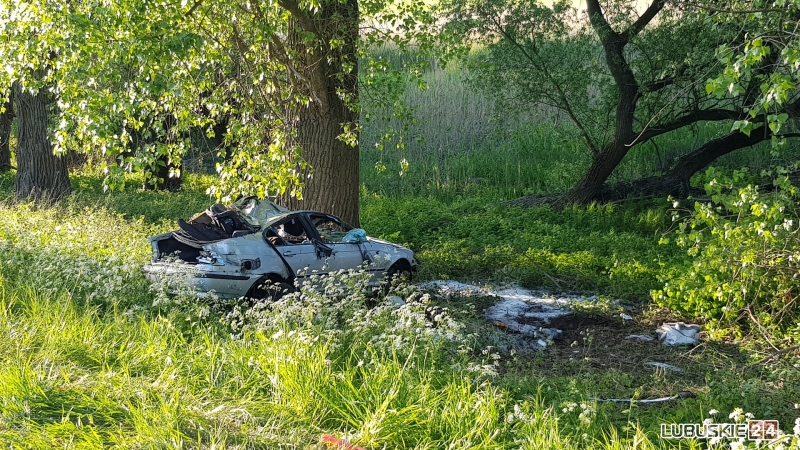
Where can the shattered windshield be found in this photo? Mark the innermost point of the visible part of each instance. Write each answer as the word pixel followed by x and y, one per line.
pixel 258 212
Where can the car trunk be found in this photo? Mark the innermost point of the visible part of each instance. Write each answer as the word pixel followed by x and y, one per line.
pixel 165 246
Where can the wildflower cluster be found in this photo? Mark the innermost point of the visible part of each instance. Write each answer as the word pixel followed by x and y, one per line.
pixel 64 250
pixel 343 310
pixel 586 410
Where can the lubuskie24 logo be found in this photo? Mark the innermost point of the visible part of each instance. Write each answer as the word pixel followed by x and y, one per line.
pixel 754 430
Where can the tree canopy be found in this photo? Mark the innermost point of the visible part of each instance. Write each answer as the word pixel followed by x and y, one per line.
pixel 625 76
pixel 152 72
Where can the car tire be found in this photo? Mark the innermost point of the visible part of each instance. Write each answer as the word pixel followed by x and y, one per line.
pixel 270 290
pixel 398 272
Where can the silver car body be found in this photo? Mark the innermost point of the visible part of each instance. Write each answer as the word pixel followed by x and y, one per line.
pixel 235 266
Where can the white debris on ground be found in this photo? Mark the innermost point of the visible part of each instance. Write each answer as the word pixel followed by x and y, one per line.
pixel 518 310
pixel 640 338
pixel 678 333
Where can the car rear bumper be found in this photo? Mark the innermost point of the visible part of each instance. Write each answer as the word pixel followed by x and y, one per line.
pixel 178 277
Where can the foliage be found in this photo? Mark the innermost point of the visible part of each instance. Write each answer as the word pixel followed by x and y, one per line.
pixel 744 247
pixel 622 76
pixel 773 42
pixel 135 81
pixel 462 142
pixel 605 248
pixel 92 359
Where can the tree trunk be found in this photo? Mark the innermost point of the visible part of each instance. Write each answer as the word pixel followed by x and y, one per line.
pixel 41 175
pixel 590 187
pixel 332 184
pixel 676 181
pixel 605 161
pixel 6 120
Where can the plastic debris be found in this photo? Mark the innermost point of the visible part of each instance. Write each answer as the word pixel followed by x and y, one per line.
pixel 678 333
pixel 625 317
pixel 394 300
pixel 332 441
pixel 355 236
pixel 678 396
pixel 640 338
pixel 664 366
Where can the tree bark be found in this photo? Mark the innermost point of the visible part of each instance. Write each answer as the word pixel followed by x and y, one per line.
pixel 604 162
pixel 6 120
pixel 41 175
pixel 332 184
pixel 676 181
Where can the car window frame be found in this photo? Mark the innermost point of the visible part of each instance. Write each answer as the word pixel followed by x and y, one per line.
pixel 310 236
pixel 317 236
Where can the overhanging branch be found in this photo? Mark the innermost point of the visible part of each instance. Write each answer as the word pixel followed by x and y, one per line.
pixel 708 115
pixel 643 20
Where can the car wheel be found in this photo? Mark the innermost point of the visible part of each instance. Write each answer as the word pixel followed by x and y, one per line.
pixel 270 290
pixel 399 273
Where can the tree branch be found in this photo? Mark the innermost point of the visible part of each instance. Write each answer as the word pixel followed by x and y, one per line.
pixel 562 95
pixel 599 22
pixel 708 115
pixel 302 18
pixel 643 20
pixel 194 7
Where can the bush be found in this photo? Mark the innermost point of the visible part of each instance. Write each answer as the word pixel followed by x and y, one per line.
pixel 745 246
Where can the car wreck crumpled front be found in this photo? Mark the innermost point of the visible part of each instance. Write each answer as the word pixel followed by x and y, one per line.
pixel 258 249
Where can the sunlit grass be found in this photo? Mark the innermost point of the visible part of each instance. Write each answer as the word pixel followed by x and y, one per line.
pixel 89 361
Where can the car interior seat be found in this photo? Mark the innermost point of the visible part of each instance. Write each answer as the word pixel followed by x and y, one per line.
pixel 294 228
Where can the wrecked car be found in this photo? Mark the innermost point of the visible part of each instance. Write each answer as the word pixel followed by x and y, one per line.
pixel 258 249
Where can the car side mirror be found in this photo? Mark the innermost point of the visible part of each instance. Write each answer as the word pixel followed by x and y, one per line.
pixel 323 251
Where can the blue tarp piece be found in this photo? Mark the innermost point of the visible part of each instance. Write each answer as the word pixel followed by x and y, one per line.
pixel 355 236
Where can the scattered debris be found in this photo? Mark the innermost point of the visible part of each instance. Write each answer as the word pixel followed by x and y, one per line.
pixel 625 316
pixel 664 366
pixel 678 333
pixel 395 300
pixel 518 311
pixel 640 338
pixel 627 401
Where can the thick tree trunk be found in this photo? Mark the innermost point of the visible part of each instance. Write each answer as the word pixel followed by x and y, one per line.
pixel 6 120
pixel 332 184
pixel 676 181
pixel 605 161
pixel 41 175
pixel 590 187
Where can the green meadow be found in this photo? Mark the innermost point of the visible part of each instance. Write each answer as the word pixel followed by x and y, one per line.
pixel 93 356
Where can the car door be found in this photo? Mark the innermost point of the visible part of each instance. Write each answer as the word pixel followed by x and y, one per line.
pixel 294 243
pixel 330 230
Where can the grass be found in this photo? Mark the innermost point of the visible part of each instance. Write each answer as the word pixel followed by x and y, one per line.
pixel 92 356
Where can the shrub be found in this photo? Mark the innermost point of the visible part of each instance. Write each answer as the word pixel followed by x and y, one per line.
pixel 745 247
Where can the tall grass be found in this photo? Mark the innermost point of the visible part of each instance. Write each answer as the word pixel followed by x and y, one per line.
pixel 92 357
pixel 461 141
